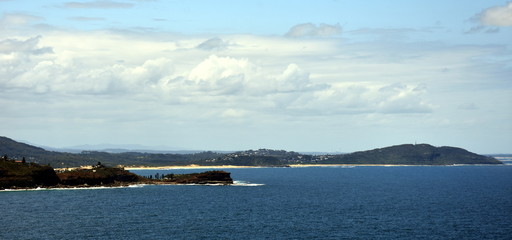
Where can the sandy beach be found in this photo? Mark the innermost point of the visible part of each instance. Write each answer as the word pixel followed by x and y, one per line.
pixel 193 166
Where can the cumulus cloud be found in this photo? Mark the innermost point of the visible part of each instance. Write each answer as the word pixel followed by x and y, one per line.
pixel 27 68
pixel 497 16
pixel 401 98
pixel 358 98
pixel 29 46
pixel 263 75
pixel 17 58
pixel 293 79
pixel 213 44
pixel 222 74
pixel 312 30
pixel 97 4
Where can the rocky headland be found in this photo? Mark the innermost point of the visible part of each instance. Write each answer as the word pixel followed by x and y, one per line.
pixel 22 175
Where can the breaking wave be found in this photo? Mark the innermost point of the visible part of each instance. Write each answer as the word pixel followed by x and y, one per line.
pixel 246 184
pixel 70 188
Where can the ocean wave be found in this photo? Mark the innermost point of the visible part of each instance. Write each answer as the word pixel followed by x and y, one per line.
pixel 246 184
pixel 70 188
pixel 22 189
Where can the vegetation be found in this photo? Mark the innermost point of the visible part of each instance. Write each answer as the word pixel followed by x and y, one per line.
pixel 16 175
pixel 410 154
pixel 19 174
pixel 17 150
pixel 209 177
pixel 413 154
pixel 99 175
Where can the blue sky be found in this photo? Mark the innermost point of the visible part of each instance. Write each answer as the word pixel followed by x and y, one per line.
pixel 234 75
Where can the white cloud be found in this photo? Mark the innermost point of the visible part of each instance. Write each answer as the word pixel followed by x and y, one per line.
pixel 400 98
pixel 358 98
pixel 13 20
pixel 29 46
pixel 293 79
pixel 175 72
pixel 97 4
pixel 257 85
pixel 312 30
pixel 497 16
pixel 222 75
pixel 213 44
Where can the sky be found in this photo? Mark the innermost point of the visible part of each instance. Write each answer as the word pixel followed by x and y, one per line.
pixel 325 76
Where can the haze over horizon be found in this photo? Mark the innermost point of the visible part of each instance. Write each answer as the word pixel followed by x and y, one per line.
pixel 322 76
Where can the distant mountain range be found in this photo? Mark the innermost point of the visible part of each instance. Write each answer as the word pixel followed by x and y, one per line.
pixel 117 148
pixel 406 154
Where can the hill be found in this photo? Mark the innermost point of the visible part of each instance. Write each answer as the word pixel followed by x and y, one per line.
pixel 260 157
pixel 406 154
pixel 17 150
pixel 413 154
pixel 22 174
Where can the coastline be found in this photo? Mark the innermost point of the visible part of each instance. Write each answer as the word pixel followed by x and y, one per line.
pixel 194 166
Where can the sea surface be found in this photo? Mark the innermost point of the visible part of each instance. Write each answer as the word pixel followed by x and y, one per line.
pixel 459 202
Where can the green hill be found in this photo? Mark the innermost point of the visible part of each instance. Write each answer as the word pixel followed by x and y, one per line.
pixel 406 154
pixel 413 154
pixel 20 174
pixel 17 150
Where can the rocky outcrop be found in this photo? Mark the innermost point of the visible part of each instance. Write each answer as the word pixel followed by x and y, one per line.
pixel 26 175
pixel 98 176
pixel 209 177
pixel 14 175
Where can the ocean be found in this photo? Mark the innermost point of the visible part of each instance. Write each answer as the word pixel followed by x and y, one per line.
pixel 370 202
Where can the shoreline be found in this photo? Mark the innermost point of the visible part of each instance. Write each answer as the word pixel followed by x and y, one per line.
pixel 193 166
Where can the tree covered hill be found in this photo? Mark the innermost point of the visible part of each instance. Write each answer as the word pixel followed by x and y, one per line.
pixel 406 154
pixel 413 154
pixel 17 150
pixel 23 174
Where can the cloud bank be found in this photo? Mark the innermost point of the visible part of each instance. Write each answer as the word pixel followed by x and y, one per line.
pixel 132 82
pixel 42 65
pixel 497 16
pixel 98 4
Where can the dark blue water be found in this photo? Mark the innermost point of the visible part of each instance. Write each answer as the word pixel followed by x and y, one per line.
pixel 466 202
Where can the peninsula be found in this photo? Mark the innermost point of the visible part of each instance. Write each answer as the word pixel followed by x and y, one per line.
pixel 23 175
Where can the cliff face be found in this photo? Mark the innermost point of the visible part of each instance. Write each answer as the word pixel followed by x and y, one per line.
pixel 26 175
pixel 209 177
pixel 98 176
pixel 14 175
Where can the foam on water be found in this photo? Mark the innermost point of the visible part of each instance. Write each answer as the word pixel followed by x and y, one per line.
pixel 70 188
pixel 235 183
pixel 246 184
